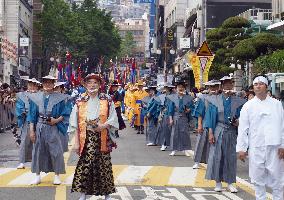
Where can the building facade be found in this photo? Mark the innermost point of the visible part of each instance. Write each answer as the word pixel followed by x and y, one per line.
pixel 277 15
pixel 16 23
pixel 140 30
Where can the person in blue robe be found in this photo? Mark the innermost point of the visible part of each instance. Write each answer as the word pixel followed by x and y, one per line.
pixel 180 106
pixel 221 121
pixel 201 151
pixel 21 111
pixel 47 116
pixel 164 130
pixel 152 117
pixel 59 87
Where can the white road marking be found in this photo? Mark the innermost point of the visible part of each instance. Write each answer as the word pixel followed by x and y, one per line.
pixel 183 176
pixel 6 170
pixel 132 175
pixel 122 192
pixel 25 179
pixel 68 180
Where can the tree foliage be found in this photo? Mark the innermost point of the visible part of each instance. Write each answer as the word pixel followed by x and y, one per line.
pixel 222 41
pixel 127 45
pixel 86 31
pixel 270 63
pixel 260 45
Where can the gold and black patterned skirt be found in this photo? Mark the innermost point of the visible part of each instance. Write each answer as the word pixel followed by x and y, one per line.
pixel 93 174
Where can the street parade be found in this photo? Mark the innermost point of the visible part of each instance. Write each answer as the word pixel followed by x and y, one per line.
pixel 119 100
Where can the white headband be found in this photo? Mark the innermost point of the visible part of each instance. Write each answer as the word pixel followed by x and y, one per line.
pixel 260 79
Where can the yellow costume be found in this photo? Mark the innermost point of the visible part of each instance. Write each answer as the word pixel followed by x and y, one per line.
pixel 138 96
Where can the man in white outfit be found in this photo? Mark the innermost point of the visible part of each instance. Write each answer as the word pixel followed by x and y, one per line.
pixel 261 134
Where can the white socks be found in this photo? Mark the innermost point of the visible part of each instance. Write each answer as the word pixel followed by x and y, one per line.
pixel 56 180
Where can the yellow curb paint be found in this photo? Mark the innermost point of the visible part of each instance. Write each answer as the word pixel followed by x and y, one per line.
pixel 10 176
pixel 117 169
pixel 69 171
pixel 60 193
pixel 157 176
pixel 48 179
pixel 200 180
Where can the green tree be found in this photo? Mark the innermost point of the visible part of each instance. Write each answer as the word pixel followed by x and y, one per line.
pixel 270 63
pixel 222 41
pixel 127 45
pixel 86 31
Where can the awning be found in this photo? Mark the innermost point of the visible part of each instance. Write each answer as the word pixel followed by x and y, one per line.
pixel 279 26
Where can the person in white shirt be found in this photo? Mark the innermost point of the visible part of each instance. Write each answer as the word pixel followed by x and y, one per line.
pixel 261 134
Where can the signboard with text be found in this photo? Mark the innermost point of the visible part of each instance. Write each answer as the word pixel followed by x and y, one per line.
pixel 143 1
pixel 24 42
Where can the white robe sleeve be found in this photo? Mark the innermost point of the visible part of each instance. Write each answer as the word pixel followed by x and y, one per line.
pixel 282 125
pixel 243 131
pixel 73 120
pixel 112 118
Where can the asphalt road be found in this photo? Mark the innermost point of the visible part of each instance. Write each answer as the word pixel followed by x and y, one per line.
pixel 140 172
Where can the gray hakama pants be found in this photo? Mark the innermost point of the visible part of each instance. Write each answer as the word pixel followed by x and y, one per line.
pixel 164 132
pixel 180 136
pixel 202 148
pixel 47 153
pixel 222 161
pixel 151 132
pixel 26 145
pixel 64 141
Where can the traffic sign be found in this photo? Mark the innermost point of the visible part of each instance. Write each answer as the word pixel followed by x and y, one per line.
pixel 204 50
pixel 24 42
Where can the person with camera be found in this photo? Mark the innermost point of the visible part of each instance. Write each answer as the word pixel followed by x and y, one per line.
pixel 221 122
pixel 93 120
pixel 261 137
pixel 47 117
pixel 180 106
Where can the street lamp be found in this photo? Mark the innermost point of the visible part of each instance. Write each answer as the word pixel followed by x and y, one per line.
pixel 172 51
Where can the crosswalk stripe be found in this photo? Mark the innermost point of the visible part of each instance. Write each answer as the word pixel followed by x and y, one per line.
pixel 132 175
pixel 25 179
pixel 6 170
pixel 5 178
pixel 117 169
pixel 183 176
pixel 157 176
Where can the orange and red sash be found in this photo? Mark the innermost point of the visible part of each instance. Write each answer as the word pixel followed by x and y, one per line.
pixel 82 125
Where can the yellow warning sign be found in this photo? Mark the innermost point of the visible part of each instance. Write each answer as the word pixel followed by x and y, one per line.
pixel 204 50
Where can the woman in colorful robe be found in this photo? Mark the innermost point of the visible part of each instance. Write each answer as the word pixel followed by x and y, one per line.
pixel 220 119
pixel 22 108
pixel 92 119
pixel 179 109
pixel 46 116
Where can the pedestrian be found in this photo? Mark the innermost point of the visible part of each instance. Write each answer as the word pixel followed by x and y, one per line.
pixel 201 152
pixel 164 130
pixel 152 116
pixel 22 109
pixel 59 87
pixel 92 119
pixel 117 100
pixel 46 117
pixel 221 121
pixel 261 133
pixel 180 106
pixel 138 96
